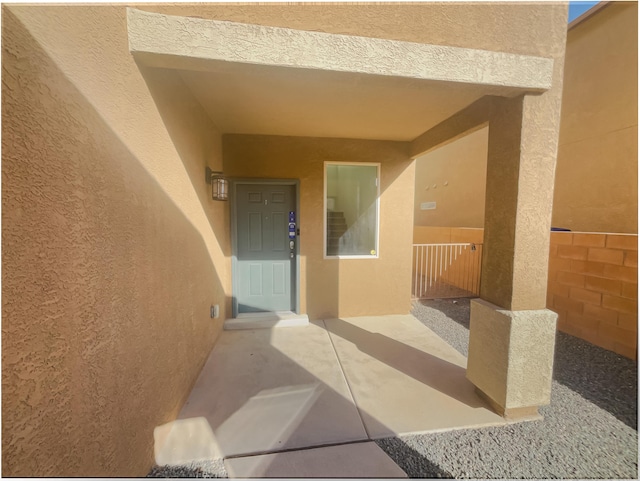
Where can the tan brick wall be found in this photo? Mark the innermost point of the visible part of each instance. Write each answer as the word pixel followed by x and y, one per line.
pixel 593 283
pixel 593 286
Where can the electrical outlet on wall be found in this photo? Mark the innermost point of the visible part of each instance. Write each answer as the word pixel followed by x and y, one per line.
pixel 215 311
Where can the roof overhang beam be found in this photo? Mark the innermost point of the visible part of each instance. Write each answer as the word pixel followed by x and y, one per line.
pixel 166 41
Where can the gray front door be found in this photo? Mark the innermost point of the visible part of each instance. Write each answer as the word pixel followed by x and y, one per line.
pixel 265 265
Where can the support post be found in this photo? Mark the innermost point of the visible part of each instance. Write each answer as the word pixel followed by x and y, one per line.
pixel 512 334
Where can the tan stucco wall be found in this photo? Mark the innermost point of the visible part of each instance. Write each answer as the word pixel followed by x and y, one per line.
pixel 596 183
pixel 521 29
pixel 454 177
pixel 112 249
pixel 597 174
pixel 338 287
pixel 445 235
pixel 112 252
pixel 521 161
pixel 511 355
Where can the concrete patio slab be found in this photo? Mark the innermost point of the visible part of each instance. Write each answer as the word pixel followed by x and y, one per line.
pixel 260 391
pixel 361 460
pixel 404 378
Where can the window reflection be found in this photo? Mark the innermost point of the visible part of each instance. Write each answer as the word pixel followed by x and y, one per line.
pixel 352 209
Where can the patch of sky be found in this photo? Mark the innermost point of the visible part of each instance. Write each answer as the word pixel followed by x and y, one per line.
pixel 578 8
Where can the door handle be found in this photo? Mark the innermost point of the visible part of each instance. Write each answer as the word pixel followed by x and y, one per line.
pixel 292 245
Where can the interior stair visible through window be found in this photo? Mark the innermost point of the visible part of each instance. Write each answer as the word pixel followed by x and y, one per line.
pixel 336 227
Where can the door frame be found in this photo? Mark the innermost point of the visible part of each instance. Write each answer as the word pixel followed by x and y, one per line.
pixel 234 236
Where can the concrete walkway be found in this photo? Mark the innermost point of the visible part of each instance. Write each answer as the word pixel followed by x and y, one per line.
pixel 306 401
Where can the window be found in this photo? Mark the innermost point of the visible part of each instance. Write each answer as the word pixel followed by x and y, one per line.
pixel 351 209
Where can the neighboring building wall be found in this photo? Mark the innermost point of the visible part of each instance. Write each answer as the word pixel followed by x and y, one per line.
pixel 338 287
pixel 454 177
pixel 596 184
pixel 597 174
pixel 112 250
pixel 593 286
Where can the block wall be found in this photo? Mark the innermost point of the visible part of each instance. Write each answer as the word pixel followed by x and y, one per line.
pixel 593 286
pixel 593 283
pixel 442 235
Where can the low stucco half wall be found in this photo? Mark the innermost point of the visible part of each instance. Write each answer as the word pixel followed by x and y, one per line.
pixel 339 287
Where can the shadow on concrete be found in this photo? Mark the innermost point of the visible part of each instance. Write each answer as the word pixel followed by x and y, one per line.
pixel 251 398
pixel 425 368
pixel 256 395
pixel 607 379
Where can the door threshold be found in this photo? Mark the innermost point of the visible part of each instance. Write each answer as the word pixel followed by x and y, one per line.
pixel 266 320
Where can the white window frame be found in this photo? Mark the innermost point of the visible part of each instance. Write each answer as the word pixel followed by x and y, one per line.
pixel 324 213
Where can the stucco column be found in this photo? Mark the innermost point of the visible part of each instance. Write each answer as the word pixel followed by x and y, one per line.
pixel 512 335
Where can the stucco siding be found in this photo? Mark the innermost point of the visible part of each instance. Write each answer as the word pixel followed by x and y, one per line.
pixel 113 250
pixel 110 262
pixel 339 287
pixel 597 174
pixel 528 29
pixel 596 180
pixel 454 177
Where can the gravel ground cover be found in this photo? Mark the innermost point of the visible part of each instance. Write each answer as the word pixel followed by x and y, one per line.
pixel 200 469
pixel 589 430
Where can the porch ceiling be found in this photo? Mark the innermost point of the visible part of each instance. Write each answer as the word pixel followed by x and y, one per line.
pixel 274 81
pixel 252 99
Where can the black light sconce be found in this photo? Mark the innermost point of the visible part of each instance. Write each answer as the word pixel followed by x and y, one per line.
pixel 219 184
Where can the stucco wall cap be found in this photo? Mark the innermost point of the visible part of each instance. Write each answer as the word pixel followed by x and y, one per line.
pixel 179 37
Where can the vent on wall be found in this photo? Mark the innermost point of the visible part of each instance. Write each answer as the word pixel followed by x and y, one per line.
pixel 428 206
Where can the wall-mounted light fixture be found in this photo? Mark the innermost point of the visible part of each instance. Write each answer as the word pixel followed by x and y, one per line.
pixel 219 184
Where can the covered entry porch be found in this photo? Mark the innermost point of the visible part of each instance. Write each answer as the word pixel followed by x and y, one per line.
pixel 308 401
pixel 288 102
